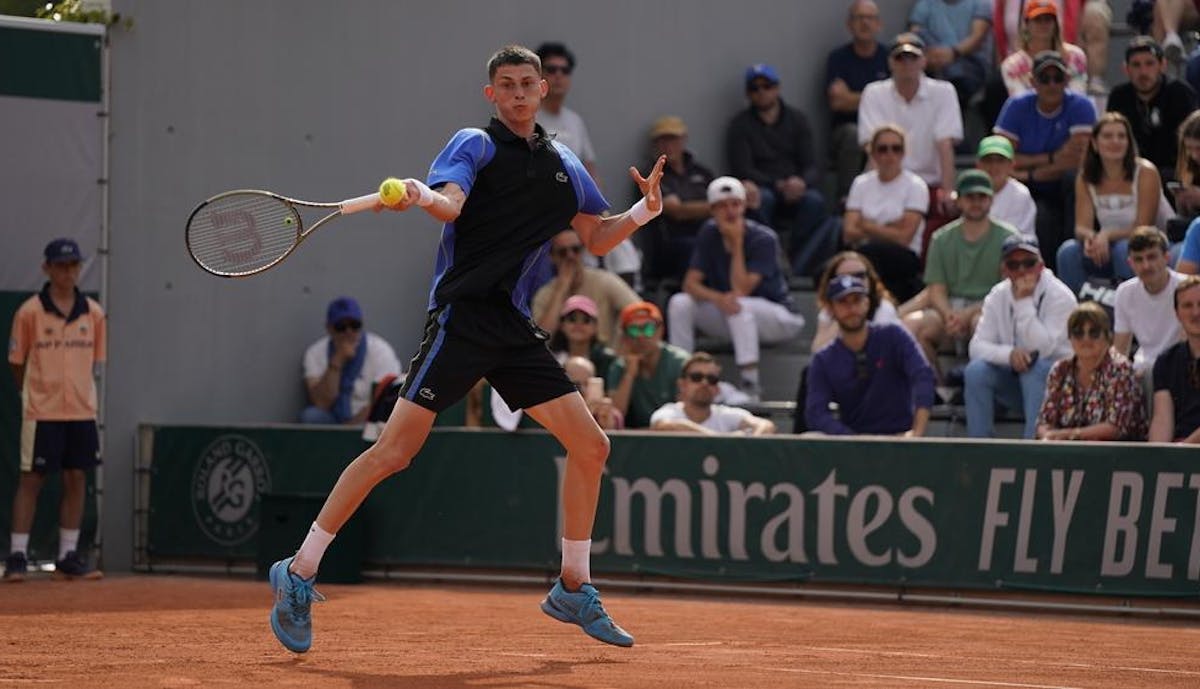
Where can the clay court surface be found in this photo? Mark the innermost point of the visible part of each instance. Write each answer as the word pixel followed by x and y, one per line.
pixel 170 632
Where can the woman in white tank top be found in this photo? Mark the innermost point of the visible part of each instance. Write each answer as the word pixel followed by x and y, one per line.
pixel 1115 191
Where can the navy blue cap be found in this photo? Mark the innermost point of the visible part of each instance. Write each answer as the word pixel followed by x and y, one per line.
pixel 761 71
pixel 342 308
pixel 63 251
pixel 1017 243
pixel 841 285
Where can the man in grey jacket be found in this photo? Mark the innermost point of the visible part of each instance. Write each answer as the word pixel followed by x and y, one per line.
pixel 1022 331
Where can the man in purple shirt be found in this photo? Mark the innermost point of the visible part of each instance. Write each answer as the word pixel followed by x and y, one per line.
pixel 876 374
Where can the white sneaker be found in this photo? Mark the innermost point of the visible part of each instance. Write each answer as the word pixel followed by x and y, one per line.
pixel 1173 48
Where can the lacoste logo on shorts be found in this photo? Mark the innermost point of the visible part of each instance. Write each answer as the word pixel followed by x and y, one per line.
pixel 561 176
pixel 426 393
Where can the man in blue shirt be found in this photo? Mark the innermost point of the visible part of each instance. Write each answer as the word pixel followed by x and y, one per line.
pixel 734 289
pixel 848 70
pixel 1050 129
pixel 876 374
pixel 958 37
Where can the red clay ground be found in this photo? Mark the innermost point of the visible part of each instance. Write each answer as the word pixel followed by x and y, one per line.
pixel 176 632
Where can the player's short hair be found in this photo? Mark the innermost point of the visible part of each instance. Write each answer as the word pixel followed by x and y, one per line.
pixel 513 55
pixel 555 49
pixel 697 358
pixel 1147 237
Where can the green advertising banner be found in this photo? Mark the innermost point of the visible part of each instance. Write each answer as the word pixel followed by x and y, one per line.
pixel 1117 519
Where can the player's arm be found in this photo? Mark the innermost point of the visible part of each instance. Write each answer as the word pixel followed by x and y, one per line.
pixel 600 235
pixel 443 203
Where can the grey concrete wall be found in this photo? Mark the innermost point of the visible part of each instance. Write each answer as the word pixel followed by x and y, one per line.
pixel 321 100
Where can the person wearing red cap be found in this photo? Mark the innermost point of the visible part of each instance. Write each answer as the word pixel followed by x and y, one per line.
pixel 643 378
pixel 1042 31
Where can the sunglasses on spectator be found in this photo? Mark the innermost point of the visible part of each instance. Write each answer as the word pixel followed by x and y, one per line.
pixel 343 326
pixel 1023 264
pixel 889 148
pixel 759 86
pixel 1078 333
pixel 563 251
pixel 697 377
pixel 556 69
pixel 578 317
pixel 647 329
pixel 1055 77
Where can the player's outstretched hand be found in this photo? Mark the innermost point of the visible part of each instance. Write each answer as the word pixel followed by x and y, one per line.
pixel 649 185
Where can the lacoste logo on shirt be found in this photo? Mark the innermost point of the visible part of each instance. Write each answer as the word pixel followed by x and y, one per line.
pixel 561 176
pixel 426 393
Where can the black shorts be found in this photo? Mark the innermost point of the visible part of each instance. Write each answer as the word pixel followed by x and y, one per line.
pixel 49 446
pixel 466 341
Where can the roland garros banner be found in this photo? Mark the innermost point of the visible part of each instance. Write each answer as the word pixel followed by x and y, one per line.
pixel 1106 518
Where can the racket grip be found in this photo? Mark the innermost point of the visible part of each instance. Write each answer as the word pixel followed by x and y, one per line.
pixel 359 203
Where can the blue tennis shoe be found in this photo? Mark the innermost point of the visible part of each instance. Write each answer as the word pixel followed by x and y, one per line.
pixel 584 608
pixel 291 616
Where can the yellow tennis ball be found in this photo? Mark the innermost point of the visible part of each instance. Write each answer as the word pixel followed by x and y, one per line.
pixel 392 191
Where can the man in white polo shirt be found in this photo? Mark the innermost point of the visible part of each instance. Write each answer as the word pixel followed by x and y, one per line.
pixel 928 111
pixel 695 411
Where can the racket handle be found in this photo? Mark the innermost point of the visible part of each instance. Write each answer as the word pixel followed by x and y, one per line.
pixel 360 203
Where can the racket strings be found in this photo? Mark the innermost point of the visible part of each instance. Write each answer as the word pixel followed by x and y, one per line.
pixel 242 233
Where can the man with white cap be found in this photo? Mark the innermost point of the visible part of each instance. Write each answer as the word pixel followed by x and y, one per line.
pixel 734 288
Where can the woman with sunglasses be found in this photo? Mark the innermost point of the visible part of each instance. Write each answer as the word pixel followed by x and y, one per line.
pixel 577 335
pixel 1095 394
pixel 1041 31
pixel 1116 191
pixel 885 213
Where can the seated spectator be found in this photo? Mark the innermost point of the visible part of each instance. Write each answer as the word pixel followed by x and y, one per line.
pixel 848 70
pixel 1177 374
pixel 696 412
pixel 1170 18
pixel 341 369
pixel 962 267
pixel 881 309
pixel 1144 305
pixel 1086 23
pixel 643 377
pixel 1011 203
pixel 1022 331
pixel 582 372
pixel 1186 187
pixel 1117 191
pixel 875 374
pixel 885 214
pixel 1093 394
pixel 668 240
pixel 578 334
pixel 927 110
pixel 1049 129
pixel 609 292
pixel 1042 32
pixel 1154 104
pixel 734 289
pixel 771 145
pixel 957 33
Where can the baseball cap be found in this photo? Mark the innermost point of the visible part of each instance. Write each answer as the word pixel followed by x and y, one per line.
pixel 63 250
pixel 342 308
pixel 842 285
pixel 974 182
pixel 761 71
pixel 907 42
pixel 668 125
pixel 995 145
pixel 1143 44
pixel 1012 245
pixel 578 302
pixel 1036 8
pixel 640 311
pixel 1048 58
pixel 723 188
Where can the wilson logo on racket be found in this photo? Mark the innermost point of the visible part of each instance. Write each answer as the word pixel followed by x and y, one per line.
pixel 237 235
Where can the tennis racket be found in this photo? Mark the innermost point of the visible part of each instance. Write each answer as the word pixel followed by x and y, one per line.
pixel 247 231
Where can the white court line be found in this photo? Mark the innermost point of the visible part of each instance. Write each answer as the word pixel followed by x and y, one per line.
pixel 942 680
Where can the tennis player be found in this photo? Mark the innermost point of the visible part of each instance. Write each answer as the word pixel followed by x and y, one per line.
pixel 502 193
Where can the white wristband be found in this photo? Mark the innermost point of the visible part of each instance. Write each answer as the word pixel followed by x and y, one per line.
pixel 425 194
pixel 641 214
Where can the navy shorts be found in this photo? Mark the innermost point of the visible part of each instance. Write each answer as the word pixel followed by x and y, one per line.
pixel 50 446
pixel 464 342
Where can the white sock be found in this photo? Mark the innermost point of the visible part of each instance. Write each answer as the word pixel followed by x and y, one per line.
pixel 67 540
pixel 20 543
pixel 577 559
pixel 308 558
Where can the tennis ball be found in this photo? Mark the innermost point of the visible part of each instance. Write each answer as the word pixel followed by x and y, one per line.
pixel 392 191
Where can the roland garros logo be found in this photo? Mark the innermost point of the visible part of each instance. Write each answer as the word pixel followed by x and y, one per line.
pixel 230 479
